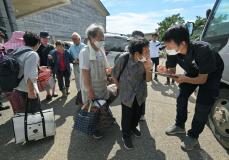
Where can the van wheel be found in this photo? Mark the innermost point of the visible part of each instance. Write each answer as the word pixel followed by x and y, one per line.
pixel 219 118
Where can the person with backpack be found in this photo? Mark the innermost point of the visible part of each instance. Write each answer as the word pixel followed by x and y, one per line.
pixel 136 34
pixel 130 74
pixel 28 61
pixel 43 51
pixel 61 59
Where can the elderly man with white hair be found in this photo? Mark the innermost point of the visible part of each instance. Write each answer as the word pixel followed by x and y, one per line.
pixel 74 50
pixel 94 68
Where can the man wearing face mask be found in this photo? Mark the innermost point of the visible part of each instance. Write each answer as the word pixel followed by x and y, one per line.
pixel 131 82
pixel 93 67
pixel 204 68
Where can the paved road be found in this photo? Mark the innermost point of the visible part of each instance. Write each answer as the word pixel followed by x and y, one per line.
pixel 153 145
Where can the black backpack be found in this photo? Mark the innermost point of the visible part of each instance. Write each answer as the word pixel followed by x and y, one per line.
pixel 9 70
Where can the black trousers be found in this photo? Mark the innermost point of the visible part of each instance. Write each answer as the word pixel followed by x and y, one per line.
pixel 143 109
pixel 130 118
pixel 63 78
pixel 205 100
pixel 0 99
pixel 155 63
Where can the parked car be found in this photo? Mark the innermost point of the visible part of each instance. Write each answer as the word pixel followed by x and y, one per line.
pixel 115 44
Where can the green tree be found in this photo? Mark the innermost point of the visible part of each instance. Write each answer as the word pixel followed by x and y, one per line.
pixel 168 22
pixel 198 27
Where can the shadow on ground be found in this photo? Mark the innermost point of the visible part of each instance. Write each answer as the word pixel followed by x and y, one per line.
pixel 33 150
pixel 38 149
pixel 62 109
pixel 197 153
pixel 169 90
pixel 87 148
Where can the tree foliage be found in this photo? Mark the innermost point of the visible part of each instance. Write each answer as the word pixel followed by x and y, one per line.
pixel 198 27
pixel 178 19
pixel 169 22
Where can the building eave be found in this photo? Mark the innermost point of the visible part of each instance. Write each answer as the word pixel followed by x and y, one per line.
pixel 102 8
pixel 22 11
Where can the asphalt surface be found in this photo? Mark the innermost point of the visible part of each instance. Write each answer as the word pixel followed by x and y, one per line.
pixel 72 145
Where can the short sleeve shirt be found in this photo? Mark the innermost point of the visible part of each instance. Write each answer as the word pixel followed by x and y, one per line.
pixel 97 72
pixel 154 48
pixel 201 59
pixel 29 63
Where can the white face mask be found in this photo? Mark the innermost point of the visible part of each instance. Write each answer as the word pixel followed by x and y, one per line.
pixel 142 60
pixel 99 44
pixel 171 52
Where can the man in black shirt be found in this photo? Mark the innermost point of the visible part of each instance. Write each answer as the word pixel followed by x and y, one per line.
pixel 43 52
pixel 44 48
pixel 204 68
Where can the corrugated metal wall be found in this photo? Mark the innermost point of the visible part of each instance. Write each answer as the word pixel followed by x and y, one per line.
pixel 61 22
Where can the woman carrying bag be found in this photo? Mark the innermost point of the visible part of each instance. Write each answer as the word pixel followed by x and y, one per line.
pixel 130 75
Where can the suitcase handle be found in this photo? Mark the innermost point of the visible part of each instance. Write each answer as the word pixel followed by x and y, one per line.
pixel 26 116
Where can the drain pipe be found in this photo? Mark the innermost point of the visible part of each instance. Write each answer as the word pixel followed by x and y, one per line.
pixel 10 14
pixel 4 22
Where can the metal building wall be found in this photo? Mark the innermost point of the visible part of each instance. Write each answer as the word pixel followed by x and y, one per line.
pixel 61 22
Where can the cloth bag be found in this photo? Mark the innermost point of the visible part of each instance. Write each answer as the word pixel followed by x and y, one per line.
pixel 45 79
pixel 29 127
pixel 87 118
pixel 106 118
